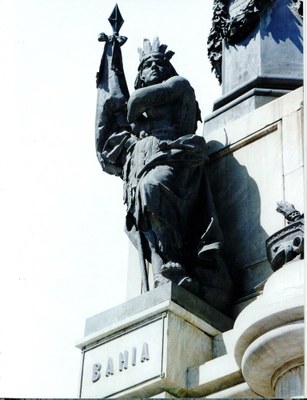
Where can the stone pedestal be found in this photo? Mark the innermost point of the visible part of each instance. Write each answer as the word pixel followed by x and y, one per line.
pixel 264 65
pixel 145 346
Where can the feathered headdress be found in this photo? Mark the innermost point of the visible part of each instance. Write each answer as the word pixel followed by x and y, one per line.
pixel 154 48
pixel 149 49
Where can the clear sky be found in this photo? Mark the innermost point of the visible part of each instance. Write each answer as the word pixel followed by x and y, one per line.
pixel 63 250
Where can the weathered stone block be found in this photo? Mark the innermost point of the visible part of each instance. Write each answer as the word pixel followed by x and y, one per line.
pixel 292 142
pixel 263 63
pixel 294 188
pixel 246 183
pixel 145 346
pixel 255 162
pixel 274 49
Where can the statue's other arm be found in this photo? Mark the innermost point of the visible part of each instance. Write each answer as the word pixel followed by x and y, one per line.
pixel 157 95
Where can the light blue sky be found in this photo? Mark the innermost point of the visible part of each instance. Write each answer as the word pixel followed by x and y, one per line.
pixel 63 249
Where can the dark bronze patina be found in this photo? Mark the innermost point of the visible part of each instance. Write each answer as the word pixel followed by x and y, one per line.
pixel 149 141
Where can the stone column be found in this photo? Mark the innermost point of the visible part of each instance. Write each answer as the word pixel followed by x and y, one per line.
pixel 269 333
pixel 291 383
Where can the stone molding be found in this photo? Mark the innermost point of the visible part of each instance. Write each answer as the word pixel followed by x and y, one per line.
pixel 270 332
pixel 256 124
pixel 270 86
pixel 242 391
pixel 271 355
pixel 213 376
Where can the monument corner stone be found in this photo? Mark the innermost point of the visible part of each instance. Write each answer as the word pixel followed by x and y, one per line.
pixel 139 348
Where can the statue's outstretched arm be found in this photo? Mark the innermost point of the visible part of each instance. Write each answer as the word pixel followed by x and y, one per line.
pixel 112 129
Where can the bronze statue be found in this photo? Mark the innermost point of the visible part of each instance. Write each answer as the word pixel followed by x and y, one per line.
pixel 149 140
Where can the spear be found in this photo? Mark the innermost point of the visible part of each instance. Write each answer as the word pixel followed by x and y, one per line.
pixel 111 83
pixel 112 93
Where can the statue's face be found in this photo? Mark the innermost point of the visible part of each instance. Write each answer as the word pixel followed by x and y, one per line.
pixel 154 70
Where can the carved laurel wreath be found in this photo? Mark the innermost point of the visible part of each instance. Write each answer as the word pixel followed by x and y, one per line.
pixel 235 29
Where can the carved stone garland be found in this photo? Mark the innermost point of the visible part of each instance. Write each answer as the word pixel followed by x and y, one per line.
pixel 235 29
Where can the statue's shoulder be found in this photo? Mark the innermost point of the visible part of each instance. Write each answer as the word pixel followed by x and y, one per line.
pixel 177 79
pixel 178 82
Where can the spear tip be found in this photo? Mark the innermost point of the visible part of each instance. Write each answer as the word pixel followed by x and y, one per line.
pixel 116 20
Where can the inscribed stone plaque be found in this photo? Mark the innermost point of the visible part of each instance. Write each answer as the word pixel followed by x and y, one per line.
pixel 131 357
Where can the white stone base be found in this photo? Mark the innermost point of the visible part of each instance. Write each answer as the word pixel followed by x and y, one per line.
pixel 149 349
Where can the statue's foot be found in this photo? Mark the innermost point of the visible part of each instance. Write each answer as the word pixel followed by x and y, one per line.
pixel 172 269
pixel 159 280
pixel 189 284
pixel 176 273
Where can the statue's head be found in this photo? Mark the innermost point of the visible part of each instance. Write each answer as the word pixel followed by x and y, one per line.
pixel 155 66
